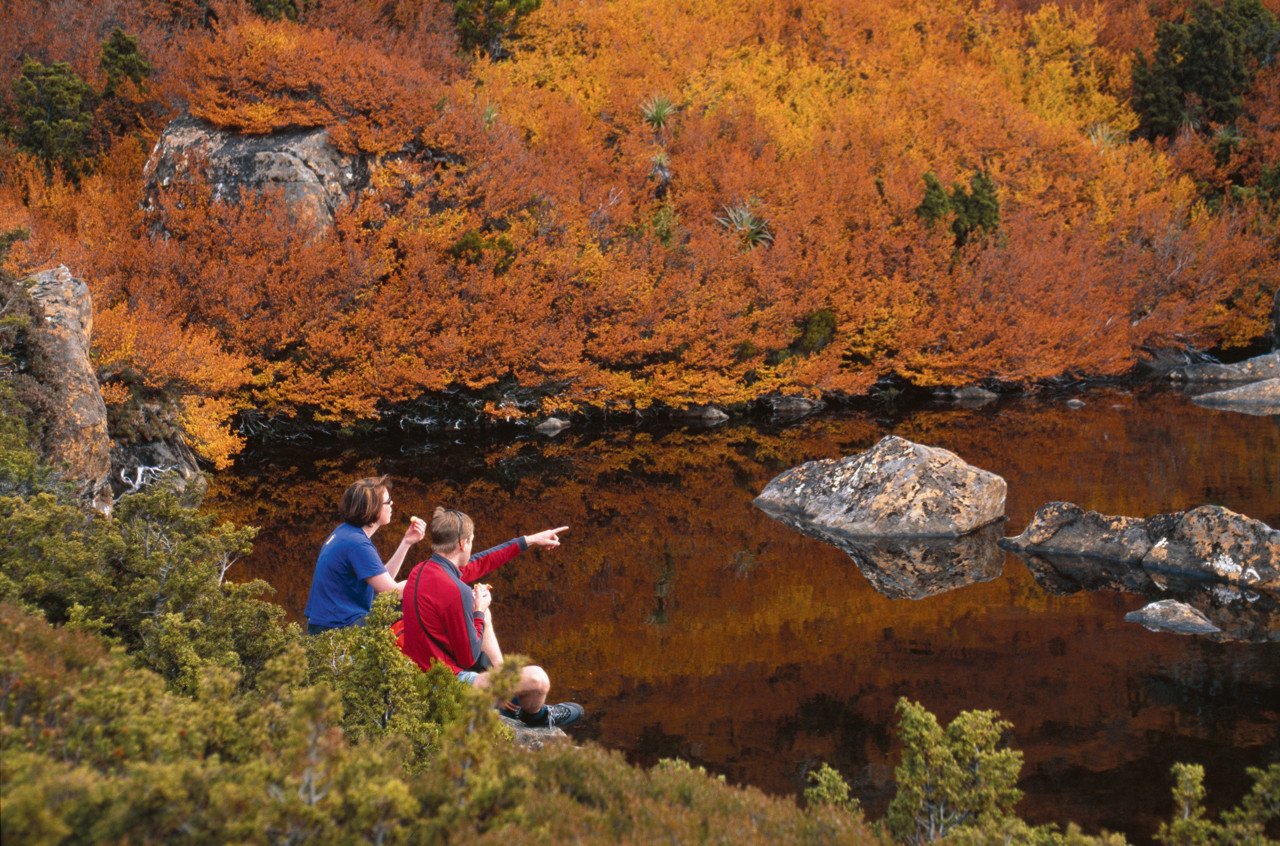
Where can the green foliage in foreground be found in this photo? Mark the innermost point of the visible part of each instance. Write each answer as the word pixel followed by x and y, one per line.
pixel 144 700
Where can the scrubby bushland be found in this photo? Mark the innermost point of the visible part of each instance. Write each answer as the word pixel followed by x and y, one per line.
pixel 212 722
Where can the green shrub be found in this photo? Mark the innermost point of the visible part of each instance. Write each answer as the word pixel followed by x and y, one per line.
pixel 55 114
pixel 1203 65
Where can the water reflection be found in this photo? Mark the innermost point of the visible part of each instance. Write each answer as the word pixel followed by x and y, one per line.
pixel 695 625
pixel 1240 613
pixel 913 568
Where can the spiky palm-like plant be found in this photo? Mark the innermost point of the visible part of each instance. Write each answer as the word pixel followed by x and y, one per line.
pixel 658 111
pixel 753 230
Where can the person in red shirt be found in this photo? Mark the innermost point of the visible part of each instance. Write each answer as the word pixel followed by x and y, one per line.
pixel 448 621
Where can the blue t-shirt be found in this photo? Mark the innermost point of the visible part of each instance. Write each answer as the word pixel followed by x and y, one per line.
pixel 340 596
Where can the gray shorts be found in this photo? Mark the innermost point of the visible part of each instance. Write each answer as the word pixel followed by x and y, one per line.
pixel 468 677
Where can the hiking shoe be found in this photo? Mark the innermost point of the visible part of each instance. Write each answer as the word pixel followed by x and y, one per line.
pixel 556 716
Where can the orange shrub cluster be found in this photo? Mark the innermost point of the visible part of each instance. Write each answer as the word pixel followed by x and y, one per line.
pixel 757 234
pixel 262 76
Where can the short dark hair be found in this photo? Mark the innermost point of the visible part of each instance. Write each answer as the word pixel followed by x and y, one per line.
pixel 363 500
pixel 448 528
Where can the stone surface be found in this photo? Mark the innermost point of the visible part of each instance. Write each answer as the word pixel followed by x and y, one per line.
pixel 1169 615
pixel 1252 370
pixel 76 440
pixel 791 407
pixel 1208 542
pixel 167 460
pixel 1238 613
pixel 315 177
pixel 895 489
pixel 1261 398
pixel 709 414
pixel 533 738
pixel 551 426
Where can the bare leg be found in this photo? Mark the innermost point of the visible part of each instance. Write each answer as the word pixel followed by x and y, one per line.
pixel 532 690
pixel 489 644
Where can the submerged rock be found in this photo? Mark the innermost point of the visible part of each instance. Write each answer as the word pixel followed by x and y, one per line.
pixel 76 442
pixel 1169 615
pixel 1207 542
pixel 1252 370
pixel 895 489
pixel 1262 398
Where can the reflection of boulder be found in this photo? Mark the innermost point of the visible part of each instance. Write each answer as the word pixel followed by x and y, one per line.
pixel 1262 398
pixel 76 441
pixel 1252 370
pixel 1208 542
pixel 1169 615
pixel 913 568
pixel 793 407
pixel 895 489
pixel 1237 612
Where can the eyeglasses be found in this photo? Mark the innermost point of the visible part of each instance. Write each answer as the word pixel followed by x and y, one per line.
pixel 387 502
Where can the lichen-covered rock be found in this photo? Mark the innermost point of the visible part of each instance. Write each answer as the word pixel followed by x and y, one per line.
pixel 533 738
pixel 1262 398
pixel 1252 370
pixel 76 442
pixel 1169 615
pixel 316 178
pixel 1208 542
pixel 895 489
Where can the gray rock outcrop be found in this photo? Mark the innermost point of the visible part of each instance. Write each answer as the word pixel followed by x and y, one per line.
pixel 1251 370
pixel 791 407
pixel 150 448
pixel 1208 542
pixel 711 415
pixel 1260 398
pixel 1169 615
pixel 530 737
pixel 895 489
pixel 316 178
pixel 552 426
pixel 76 442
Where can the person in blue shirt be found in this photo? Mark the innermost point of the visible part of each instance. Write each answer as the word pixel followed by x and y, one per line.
pixel 349 570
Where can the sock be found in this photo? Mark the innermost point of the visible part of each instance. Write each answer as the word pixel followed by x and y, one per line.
pixel 537 718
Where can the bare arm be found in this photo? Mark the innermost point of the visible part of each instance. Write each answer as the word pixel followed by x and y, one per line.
pixel 383 582
pixel 417 530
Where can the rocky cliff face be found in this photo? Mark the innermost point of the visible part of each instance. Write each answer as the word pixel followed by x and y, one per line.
pixel 76 442
pixel 315 177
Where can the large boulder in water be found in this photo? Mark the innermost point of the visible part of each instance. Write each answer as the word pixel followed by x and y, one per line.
pixel 1207 542
pixel 895 489
pixel 1260 398
pixel 76 442
pixel 315 177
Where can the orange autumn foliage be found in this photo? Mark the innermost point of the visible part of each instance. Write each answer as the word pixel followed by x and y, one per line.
pixel 529 228
pixel 263 76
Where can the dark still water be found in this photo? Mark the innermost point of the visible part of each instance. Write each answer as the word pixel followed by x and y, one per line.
pixel 691 624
